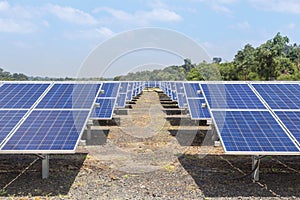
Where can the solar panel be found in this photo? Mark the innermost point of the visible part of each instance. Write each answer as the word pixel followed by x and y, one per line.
pixel 291 120
pixel 40 118
pixel 110 89
pixel 129 91
pixel 280 96
pixel 123 87
pixel 181 97
pixel 105 109
pixel 70 95
pixel 196 110
pixel 48 130
pixel 249 132
pixel 181 100
pixel 121 100
pixel 21 95
pixel 8 121
pixel 231 96
pixel 192 90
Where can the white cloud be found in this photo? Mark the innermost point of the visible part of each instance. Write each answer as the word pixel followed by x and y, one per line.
pixel 219 6
pixel 142 17
pixel 94 33
pixel 4 5
pixel 106 32
pixel 72 15
pixel 243 26
pixel 283 6
pixel 14 26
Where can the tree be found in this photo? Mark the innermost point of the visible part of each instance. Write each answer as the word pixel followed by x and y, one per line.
pixel 267 54
pixel 244 61
pixel 217 60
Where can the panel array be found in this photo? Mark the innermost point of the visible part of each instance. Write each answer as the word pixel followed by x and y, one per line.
pixel 106 101
pixel 252 132
pixel 53 123
pixel 196 102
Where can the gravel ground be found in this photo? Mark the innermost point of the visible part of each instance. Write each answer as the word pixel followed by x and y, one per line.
pixel 140 156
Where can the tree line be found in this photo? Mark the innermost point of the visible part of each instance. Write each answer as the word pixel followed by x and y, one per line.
pixel 275 59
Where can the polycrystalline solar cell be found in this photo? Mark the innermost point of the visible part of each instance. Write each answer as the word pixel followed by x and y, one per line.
pixel 21 95
pixel 121 100
pixel 8 120
pixel 196 110
pixel 291 119
pixel 48 130
pixel 123 87
pixel 280 96
pixel 181 99
pixel 109 89
pixel 192 90
pixel 231 96
pixel 252 131
pixel 105 110
pixel 63 95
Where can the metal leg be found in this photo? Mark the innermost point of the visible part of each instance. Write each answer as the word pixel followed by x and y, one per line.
pixel 45 166
pixel 88 133
pixel 255 163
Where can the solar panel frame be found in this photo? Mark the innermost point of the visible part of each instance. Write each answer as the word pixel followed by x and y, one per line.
pixel 195 109
pixel 110 90
pixel 23 142
pixel 231 95
pixel 34 109
pixel 105 110
pixel 279 95
pixel 290 120
pixel 10 99
pixel 244 150
pixel 69 95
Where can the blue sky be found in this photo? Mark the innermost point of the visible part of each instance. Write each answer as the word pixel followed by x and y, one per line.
pixel 52 38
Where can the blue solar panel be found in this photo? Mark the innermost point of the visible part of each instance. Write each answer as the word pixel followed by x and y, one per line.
pixel 8 120
pixel 196 110
pixel 70 96
pixel 109 89
pixel 129 91
pixel 231 96
pixel 252 131
pixel 123 87
pixel 21 95
pixel 181 99
pixel 105 110
pixel 280 96
pixel 179 87
pixel 291 120
pixel 49 130
pixel 173 96
pixel 192 90
pixel 121 100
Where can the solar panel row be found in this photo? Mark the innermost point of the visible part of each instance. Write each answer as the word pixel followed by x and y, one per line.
pixel 255 118
pixel 196 102
pixel 50 120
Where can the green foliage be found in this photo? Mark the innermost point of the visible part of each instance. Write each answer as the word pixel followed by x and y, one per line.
pixel 7 76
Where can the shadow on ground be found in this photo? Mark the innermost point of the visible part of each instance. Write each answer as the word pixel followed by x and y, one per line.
pixel 63 171
pixel 279 176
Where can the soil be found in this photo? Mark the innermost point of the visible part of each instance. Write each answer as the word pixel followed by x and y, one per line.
pixel 150 151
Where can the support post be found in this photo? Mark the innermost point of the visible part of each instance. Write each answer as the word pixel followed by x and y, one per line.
pixel 255 162
pixel 89 130
pixel 45 166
